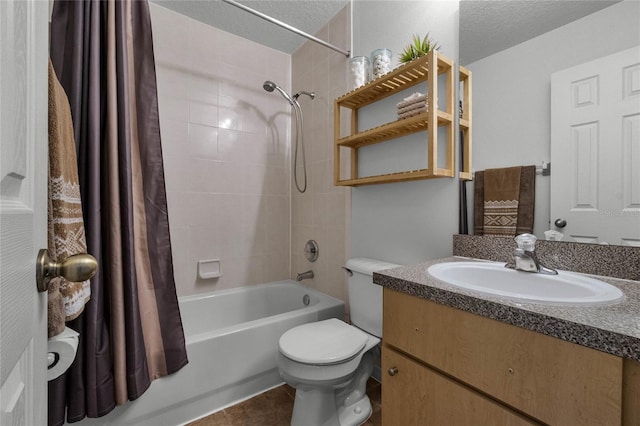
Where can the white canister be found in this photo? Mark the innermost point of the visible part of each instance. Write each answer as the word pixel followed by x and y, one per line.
pixel 359 70
pixel 380 62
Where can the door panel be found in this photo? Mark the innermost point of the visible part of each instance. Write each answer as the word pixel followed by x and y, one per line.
pixel 23 214
pixel 595 135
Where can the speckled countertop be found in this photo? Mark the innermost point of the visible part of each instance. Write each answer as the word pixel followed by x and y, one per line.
pixel 614 329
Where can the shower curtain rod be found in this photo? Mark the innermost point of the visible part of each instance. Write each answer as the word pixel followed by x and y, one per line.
pixel 287 27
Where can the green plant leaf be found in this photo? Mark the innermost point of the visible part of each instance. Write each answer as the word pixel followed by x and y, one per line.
pixel 418 47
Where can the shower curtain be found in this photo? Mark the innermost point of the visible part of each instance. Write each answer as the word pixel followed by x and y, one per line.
pixel 131 330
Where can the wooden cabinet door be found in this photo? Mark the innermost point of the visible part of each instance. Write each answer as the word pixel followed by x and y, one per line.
pixel 557 382
pixel 418 395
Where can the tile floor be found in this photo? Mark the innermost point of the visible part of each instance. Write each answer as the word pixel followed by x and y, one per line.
pixel 274 408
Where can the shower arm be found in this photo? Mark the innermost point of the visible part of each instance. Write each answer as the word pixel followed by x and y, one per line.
pixel 312 95
pixel 287 27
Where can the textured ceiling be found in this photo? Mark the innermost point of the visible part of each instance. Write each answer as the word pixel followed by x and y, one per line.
pixel 486 26
pixel 306 15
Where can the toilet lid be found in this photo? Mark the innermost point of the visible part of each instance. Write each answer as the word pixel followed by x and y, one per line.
pixel 323 342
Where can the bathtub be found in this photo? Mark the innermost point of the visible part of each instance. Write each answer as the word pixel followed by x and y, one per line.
pixel 232 341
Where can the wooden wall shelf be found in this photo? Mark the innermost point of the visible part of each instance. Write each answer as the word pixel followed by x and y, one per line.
pixel 393 130
pixel 466 172
pixel 425 69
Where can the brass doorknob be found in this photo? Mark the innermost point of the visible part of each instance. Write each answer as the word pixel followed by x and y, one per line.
pixel 76 268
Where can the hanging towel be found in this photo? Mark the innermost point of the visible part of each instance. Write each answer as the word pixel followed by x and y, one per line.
pixel 527 200
pixel 478 203
pixel 65 228
pixel 504 201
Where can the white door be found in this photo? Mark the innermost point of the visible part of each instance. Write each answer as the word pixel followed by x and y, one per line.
pixel 595 148
pixel 23 214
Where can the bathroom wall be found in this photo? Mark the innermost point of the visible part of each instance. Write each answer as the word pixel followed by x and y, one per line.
pixel 521 76
pixel 321 213
pixel 403 222
pixel 226 152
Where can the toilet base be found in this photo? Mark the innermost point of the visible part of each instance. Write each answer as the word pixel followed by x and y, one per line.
pixel 316 407
pixel 355 414
pixel 346 405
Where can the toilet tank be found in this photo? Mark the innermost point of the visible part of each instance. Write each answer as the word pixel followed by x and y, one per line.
pixel 365 297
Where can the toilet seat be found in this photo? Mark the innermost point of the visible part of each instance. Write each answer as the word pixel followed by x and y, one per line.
pixel 322 343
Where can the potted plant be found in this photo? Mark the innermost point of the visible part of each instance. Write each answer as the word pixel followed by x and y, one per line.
pixel 418 47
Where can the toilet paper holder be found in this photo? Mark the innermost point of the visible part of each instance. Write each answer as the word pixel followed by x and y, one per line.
pixel 52 359
pixel 61 352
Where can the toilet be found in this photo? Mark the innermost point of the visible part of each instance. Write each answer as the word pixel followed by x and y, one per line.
pixel 329 362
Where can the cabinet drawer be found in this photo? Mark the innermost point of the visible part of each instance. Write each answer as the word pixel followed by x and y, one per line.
pixel 417 395
pixel 557 382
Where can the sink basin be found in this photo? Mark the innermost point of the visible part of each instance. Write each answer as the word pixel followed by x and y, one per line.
pixel 566 288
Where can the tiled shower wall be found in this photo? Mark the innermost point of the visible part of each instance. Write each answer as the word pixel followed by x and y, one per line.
pixel 226 153
pixel 321 213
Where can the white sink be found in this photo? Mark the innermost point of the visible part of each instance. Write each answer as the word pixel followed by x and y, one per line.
pixel 566 288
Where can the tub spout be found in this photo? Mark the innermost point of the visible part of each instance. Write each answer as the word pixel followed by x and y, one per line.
pixel 304 276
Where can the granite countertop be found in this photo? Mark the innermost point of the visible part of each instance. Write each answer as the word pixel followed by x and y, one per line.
pixel 614 329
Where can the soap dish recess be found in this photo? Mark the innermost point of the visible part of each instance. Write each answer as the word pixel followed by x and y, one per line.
pixel 208 269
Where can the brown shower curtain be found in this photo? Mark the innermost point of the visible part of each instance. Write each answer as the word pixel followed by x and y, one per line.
pixel 131 330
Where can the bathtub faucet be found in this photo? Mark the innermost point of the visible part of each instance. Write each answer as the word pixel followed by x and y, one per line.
pixel 304 276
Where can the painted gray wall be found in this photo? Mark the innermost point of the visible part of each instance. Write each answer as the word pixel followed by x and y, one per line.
pixel 518 80
pixel 404 222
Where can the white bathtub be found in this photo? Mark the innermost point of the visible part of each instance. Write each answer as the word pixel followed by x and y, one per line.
pixel 232 341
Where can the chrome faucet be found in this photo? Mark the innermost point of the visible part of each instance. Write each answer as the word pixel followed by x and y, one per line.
pixel 525 258
pixel 304 275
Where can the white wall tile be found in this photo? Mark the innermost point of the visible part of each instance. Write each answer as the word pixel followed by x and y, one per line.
pixel 321 213
pixel 227 149
pixel 277 181
pixel 171 80
pixel 174 108
pixel 203 142
pixel 201 113
pixel 254 178
pixel 203 88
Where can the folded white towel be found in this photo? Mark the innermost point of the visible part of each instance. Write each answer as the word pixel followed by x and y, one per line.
pixel 412 113
pixel 415 97
pixel 411 107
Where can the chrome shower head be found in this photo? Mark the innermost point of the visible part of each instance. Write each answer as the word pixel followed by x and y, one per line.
pixel 270 86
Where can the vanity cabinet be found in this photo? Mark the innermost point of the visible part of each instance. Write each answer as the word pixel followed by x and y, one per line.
pixel 418 395
pixel 441 363
pixel 425 69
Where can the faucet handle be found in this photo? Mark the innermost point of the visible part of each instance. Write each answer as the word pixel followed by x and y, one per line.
pixel 526 242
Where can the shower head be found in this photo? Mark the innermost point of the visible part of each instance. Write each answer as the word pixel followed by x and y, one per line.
pixel 270 86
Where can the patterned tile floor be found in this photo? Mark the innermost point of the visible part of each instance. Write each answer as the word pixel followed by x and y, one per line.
pixel 274 408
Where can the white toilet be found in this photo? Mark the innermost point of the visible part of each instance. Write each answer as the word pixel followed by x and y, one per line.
pixel 330 361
